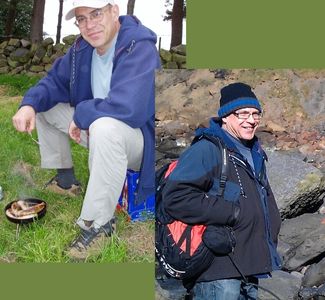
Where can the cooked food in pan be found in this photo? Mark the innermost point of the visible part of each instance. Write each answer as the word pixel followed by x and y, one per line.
pixel 24 210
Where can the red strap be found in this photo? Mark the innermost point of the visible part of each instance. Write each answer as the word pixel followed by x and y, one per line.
pixel 171 167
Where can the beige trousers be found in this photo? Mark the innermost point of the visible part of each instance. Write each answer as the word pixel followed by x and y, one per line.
pixel 113 146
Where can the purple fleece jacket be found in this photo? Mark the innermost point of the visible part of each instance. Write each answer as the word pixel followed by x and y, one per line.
pixel 132 93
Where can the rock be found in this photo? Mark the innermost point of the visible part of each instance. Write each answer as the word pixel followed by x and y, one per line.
pixel 66 48
pixel 12 63
pixel 14 42
pixel 4 70
pixel 303 192
pixel 170 65
pixel 165 55
pixel 69 39
pixel 8 50
pixel 175 128
pixel 49 50
pixel 33 48
pixel 3 44
pixel 58 47
pixel 3 62
pixel 304 237
pixel 39 54
pixel 36 69
pixel 315 275
pixel 25 43
pixel 21 55
pixel 273 127
pixel 48 41
pixel 55 56
pixel 282 284
pixel 180 49
pixel 169 288
pixel 17 70
pixel 46 59
pixel 179 59
pixel 47 67
pixel 312 293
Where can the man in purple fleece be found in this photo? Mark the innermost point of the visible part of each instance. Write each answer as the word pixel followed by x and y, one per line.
pixel 100 94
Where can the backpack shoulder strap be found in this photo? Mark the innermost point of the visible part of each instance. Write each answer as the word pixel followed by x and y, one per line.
pixel 224 159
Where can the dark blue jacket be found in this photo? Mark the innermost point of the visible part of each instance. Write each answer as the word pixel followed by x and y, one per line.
pixel 190 196
pixel 131 96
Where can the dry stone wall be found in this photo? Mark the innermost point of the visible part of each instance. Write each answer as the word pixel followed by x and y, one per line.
pixel 20 56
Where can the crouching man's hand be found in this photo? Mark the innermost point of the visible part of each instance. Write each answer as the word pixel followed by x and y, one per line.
pixel 24 119
pixel 74 132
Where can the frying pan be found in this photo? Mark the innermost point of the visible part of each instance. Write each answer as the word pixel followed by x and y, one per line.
pixel 31 201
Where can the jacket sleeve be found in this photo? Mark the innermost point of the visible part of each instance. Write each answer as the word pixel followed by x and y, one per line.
pixel 53 88
pixel 186 196
pixel 131 97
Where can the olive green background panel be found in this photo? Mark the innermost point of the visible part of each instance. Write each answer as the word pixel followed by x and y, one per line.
pixel 77 281
pixel 255 34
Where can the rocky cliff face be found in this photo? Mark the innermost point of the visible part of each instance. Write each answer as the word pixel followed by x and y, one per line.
pixel 293 103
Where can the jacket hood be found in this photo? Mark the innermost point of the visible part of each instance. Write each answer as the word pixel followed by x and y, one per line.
pixel 133 29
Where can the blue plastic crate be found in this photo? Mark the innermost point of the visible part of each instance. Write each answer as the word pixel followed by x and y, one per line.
pixel 139 212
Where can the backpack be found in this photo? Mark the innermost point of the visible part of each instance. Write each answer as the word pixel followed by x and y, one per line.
pixel 179 247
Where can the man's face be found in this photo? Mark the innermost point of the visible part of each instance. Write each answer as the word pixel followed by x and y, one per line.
pixel 242 123
pixel 98 26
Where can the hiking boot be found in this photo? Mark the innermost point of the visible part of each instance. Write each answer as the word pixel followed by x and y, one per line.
pixel 53 186
pixel 91 242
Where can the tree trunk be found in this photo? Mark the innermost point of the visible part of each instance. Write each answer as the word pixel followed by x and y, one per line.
pixel 10 21
pixel 177 23
pixel 36 34
pixel 58 30
pixel 130 9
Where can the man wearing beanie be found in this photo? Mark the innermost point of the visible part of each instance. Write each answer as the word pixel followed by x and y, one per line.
pixel 101 95
pixel 247 206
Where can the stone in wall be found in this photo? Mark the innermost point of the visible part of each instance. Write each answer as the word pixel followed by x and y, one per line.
pixel 39 54
pixel 14 42
pixel 21 55
pixel 175 58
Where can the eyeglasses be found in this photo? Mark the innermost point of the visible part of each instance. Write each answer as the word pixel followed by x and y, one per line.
pixel 245 115
pixel 96 16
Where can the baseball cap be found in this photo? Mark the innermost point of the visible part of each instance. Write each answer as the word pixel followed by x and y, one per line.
pixel 86 3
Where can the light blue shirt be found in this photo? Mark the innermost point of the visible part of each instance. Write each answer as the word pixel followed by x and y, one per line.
pixel 101 71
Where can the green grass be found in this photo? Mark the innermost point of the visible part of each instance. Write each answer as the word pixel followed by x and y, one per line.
pixel 21 176
pixel 18 84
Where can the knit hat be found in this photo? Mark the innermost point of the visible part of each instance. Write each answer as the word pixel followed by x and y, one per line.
pixel 86 3
pixel 235 96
